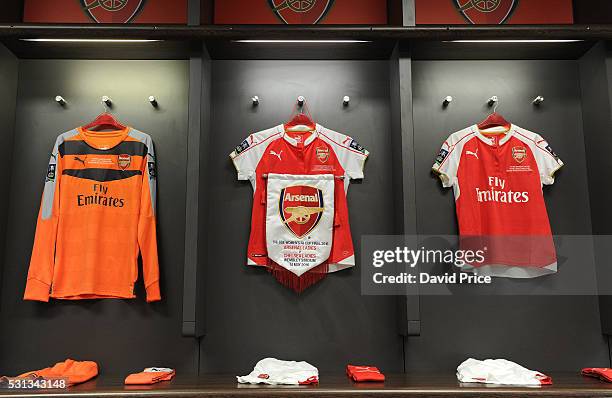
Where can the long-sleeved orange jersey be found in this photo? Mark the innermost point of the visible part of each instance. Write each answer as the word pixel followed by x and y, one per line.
pixel 97 211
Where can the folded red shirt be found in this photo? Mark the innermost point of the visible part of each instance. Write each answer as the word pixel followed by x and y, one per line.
pixel 364 373
pixel 604 374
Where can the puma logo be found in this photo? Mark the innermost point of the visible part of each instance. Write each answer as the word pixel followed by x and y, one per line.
pixel 475 153
pixel 278 155
pixel 78 159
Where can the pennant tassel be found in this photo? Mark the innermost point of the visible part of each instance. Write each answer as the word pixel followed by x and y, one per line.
pixel 298 283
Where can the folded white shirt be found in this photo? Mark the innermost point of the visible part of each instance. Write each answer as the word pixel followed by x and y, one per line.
pixel 275 371
pixel 499 371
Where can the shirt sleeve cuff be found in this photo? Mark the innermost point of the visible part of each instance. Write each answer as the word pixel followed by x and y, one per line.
pixel 550 178
pixel 153 293
pixel 357 173
pixel 36 291
pixel 446 180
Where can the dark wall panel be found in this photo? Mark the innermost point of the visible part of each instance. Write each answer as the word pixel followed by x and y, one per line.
pixel 608 60
pixel 249 314
pixel 403 172
pixel 605 116
pixel 8 99
pixel 539 332
pixel 595 80
pixel 122 335
pixel 594 83
pixel 204 232
pixel 592 12
pixel 12 11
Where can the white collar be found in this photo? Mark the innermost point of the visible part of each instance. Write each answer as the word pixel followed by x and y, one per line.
pixel 293 141
pixel 488 140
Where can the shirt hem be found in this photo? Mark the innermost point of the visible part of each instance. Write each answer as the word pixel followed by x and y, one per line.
pixel 91 295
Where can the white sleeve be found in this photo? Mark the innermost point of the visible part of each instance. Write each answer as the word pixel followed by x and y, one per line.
pixel 245 160
pixel 547 160
pixel 447 163
pixel 350 153
pixel 248 153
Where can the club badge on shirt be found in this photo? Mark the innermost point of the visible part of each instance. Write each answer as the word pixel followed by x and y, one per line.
pixel 519 153
pixel 124 161
pixel 322 154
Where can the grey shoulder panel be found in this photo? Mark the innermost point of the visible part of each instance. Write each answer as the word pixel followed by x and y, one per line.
pixel 151 167
pixel 52 175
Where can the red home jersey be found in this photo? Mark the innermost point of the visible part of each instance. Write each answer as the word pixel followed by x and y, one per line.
pixel 497 180
pixel 318 152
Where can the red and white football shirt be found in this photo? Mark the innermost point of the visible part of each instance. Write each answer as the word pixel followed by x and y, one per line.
pixel 278 152
pixel 497 181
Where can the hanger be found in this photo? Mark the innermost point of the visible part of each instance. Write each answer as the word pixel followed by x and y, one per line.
pixel 494 120
pixel 104 121
pixel 300 122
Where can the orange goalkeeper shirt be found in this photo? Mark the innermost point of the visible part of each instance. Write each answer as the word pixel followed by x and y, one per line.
pixel 97 213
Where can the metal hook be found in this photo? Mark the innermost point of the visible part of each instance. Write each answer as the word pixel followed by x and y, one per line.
pixel 493 101
pixel 301 102
pixel 346 100
pixel 447 100
pixel 255 100
pixel 538 100
pixel 106 103
pixel 60 100
pixel 153 101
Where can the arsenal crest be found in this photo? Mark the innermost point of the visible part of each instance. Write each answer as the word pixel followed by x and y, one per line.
pixel 308 12
pixel 124 161
pixel 322 154
pixel 490 12
pixel 519 153
pixel 112 11
pixel 301 208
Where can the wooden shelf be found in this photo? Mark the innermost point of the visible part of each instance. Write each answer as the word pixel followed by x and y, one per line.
pixel 566 385
pixel 237 32
pixel 181 42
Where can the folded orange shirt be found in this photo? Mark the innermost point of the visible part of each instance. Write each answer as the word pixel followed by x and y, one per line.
pixel 151 376
pixel 74 371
